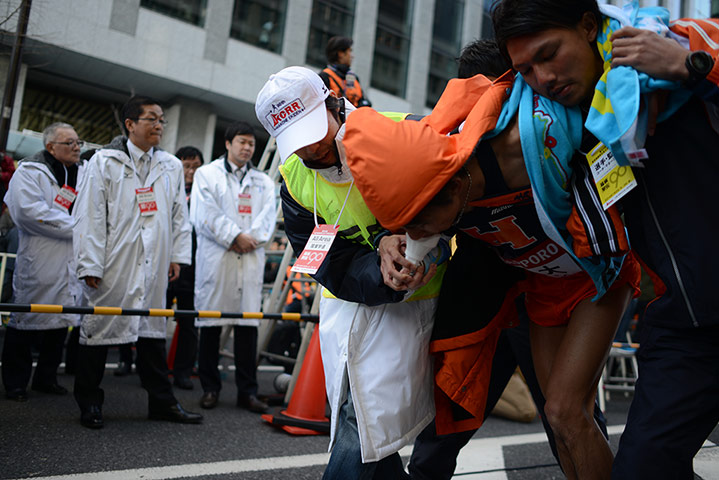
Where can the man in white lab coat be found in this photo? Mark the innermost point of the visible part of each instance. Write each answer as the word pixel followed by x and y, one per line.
pixel 131 230
pixel 233 210
pixel 40 198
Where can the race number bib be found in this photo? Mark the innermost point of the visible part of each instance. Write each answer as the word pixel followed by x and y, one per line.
pixel 146 201
pixel 245 205
pixel 65 197
pixel 316 249
pixel 612 181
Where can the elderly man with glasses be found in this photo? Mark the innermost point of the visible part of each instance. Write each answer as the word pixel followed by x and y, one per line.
pixel 40 199
pixel 132 233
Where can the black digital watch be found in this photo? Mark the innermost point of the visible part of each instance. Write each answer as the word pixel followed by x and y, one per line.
pixel 699 64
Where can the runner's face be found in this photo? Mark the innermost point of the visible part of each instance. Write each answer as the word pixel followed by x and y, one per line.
pixel 322 154
pixel 559 63
pixel 437 218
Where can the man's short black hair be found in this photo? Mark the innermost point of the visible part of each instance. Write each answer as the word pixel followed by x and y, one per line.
pixel 336 45
pixel 238 128
pixel 187 152
pixel 134 107
pixel 515 18
pixel 482 56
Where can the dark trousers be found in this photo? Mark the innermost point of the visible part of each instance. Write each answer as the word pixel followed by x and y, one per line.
pixel 187 337
pixel 125 353
pixel 73 340
pixel 346 459
pixel 151 365
pixel 17 357
pixel 675 405
pixel 245 351
pixel 186 350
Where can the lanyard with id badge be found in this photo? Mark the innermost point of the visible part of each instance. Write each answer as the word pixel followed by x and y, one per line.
pixel 66 196
pixel 611 180
pixel 146 200
pixel 321 239
pixel 245 204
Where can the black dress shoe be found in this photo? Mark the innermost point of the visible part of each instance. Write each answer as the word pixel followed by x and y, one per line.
pixel 17 394
pixel 92 417
pixel 175 413
pixel 252 403
pixel 123 369
pixel 183 383
pixel 55 389
pixel 209 399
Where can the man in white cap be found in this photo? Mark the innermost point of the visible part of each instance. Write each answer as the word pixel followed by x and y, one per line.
pixel 374 339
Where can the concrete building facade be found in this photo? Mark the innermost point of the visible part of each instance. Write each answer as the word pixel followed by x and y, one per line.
pixel 205 60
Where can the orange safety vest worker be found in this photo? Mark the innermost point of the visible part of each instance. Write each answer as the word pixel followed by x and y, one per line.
pixel 297 290
pixel 348 87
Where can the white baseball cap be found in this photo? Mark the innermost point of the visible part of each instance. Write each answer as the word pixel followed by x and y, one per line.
pixel 291 107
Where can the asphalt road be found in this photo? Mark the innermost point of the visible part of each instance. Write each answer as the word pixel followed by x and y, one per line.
pixel 42 438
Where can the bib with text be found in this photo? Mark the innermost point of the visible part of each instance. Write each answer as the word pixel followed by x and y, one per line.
pixel 316 249
pixel 612 181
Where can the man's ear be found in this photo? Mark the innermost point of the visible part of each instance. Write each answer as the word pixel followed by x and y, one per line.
pixel 589 26
pixel 455 186
pixel 128 124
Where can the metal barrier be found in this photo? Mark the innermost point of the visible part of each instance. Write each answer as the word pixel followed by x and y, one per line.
pixel 155 312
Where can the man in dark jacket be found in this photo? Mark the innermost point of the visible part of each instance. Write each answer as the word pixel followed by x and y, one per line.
pixel 183 288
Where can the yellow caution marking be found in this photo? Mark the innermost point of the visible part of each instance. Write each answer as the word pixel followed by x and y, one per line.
pixel 161 312
pixel 254 315
pixel 291 316
pixel 209 314
pixel 40 308
pixel 108 311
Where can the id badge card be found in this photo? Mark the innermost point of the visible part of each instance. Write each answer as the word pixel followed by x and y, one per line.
pixel 146 201
pixel 65 197
pixel 612 181
pixel 316 249
pixel 245 205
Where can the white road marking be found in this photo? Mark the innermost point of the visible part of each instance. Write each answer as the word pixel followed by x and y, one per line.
pixel 481 459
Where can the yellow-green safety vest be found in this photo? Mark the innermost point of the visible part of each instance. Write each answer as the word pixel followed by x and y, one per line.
pixel 357 223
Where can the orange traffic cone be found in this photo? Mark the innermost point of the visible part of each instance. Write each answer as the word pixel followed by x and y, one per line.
pixel 305 414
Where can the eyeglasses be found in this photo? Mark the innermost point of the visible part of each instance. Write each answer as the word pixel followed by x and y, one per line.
pixel 71 143
pixel 153 121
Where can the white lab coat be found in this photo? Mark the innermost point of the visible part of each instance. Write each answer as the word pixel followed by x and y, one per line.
pixel 45 265
pixel 383 352
pixel 225 280
pixel 129 252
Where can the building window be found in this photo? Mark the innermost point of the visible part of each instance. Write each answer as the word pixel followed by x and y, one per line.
pixel 715 9
pixel 329 18
pixel 391 50
pixel 446 45
pixel 487 25
pixel 93 121
pixel 192 11
pixel 260 23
